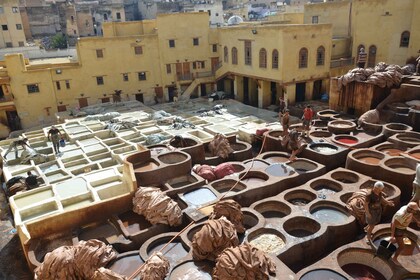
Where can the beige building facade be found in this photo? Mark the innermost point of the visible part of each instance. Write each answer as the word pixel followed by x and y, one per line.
pixel 11 29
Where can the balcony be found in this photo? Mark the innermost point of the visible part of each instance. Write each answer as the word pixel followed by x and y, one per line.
pixel 184 77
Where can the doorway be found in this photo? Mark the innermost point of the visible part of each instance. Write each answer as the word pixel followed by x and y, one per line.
pixel 273 90
pixel 171 93
pixel 13 120
pixel 139 97
pixel 214 63
pixel 203 89
pixel 300 92
pixel 83 102
pixel 246 90
pixel 317 93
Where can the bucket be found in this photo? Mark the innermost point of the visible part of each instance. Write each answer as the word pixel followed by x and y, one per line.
pixel 385 249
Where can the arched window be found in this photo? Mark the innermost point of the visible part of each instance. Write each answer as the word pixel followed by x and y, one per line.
pixel 372 56
pixel 303 58
pixel 263 58
pixel 405 39
pixel 234 56
pixel 275 58
pixel 225 55
pixel 320 56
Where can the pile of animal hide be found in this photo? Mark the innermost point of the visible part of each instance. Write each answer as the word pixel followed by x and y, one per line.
pixel 213 238
pixel 156 207
pixel 356 205
pixel 232 211
pixel 210 174
pixel 382 75
pixel 220 146
pixel 155 268
pixel 371 116
pixel 243 262
pixel 77 262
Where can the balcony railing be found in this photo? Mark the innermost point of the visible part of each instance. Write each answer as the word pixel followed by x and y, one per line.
pixel 184 77
pixel 342 62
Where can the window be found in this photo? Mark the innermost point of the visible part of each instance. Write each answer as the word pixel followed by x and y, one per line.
pixel 99 80
pixel 172 43
pixel 99 53
pixel 214 46
pixel 303 58
pixel 168 69
pixel 57 84
pixel 405 39
pixel 194 65
pixel 21 44
pixel 225 55
pixel 320 56
pixel 217 14
pixel 19 26
pixel 234 56
pixel 202 63
pixel 315 19
pixel 209 12
pixel 72 19
pixel 93 19
pixel 118 15
pixel 15 10
pixel 275 59
pixel 32 88
pixel 372 56
pixel 67 84
pixel 105 17
pixel 1 10
pixel 195 41
pixel 125 77
pixel 4 27
pixel 9 45
pixel 142 76
pixel 263 58
pixel 138 50
pixel 248 53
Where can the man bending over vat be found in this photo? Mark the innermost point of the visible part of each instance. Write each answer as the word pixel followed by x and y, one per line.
pixel 373 208
pixel 400 222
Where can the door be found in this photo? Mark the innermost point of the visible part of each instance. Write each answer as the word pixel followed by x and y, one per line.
pixel 246 90
pixel 13 120
pixel 214 63
pixel 83 102
pixel 171 93
pixel 62 108
pixel 186 70
pixel 273 90
pixel 105 99
pixel 139 97
pixel 203 89
pixel 317 94
pixel 300 92
pixel 159 92
pixel 179 70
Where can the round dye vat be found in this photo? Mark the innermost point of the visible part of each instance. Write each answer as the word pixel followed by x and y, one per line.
pixel 279 170
pixel 192 270
pixel 347 141
pixel 278 159
pixel 401 168
pixel 126 265
pixel 267 242
pixel 392 152
pixel 410 249
pixel 173 252
pixel 325 149
pixel 200 196
pixel 362 272
pixel 256 164
pixel 253 181
pixel 324 191
pixel 322 274
pixel 134 222
pixel 415 155
pixel 299 201
pixel 370 160
pixel 329 215
pixel 273 214
pixel 299 232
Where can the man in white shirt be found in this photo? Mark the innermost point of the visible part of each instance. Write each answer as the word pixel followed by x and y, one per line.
pixel 400 222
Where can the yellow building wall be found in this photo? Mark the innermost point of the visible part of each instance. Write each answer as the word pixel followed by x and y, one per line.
pixel 289 18
pixel 130 28
pixel 341 47
pixel 336 13
pixel 414 46
pixel 11 19
pixel 380 23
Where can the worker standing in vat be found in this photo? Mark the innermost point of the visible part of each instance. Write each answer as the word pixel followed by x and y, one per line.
pixel 373 208
pixel 31 181
pixel 308 114
pixel 23 142
pixel 54 136
pixel 416 186
pixel 285 121
pixel 295 144
pixel 401 220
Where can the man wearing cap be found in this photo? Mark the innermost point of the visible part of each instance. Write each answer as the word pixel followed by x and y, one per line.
pixel 400 222
pixel 54 136
pixel 362 58
pixel 374 201
pixel 285 121
pixel 14 145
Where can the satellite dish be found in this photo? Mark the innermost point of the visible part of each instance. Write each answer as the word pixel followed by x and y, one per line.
pixel 234 20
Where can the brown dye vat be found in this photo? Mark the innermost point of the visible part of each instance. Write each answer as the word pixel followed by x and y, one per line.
pixel 192 270
pixel 279 170
pixel 134 222
pixel 416 155
pixel 370 160
pixel 279 159
pixel 45 246
pixel 362 272
pixel 173 252
pixel 256 164
pixel 392 152
pixel 322 274
pixel 299 232
pixel 238 146
pixel 127 265
pixel 158 150
pixel 146 166
pixel 107 231
pixel 410 249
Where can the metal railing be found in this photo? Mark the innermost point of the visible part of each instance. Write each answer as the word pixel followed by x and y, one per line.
pixel 184 77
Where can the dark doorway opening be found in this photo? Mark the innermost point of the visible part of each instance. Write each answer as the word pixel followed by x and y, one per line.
pixel 317 94
pixel 300 92
pixel 246 90
pixel 273 90
pixel 13 120
pixel 139 97
pixel 83 102
pixel 1 92
pixel 203 89
pixel 171 93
